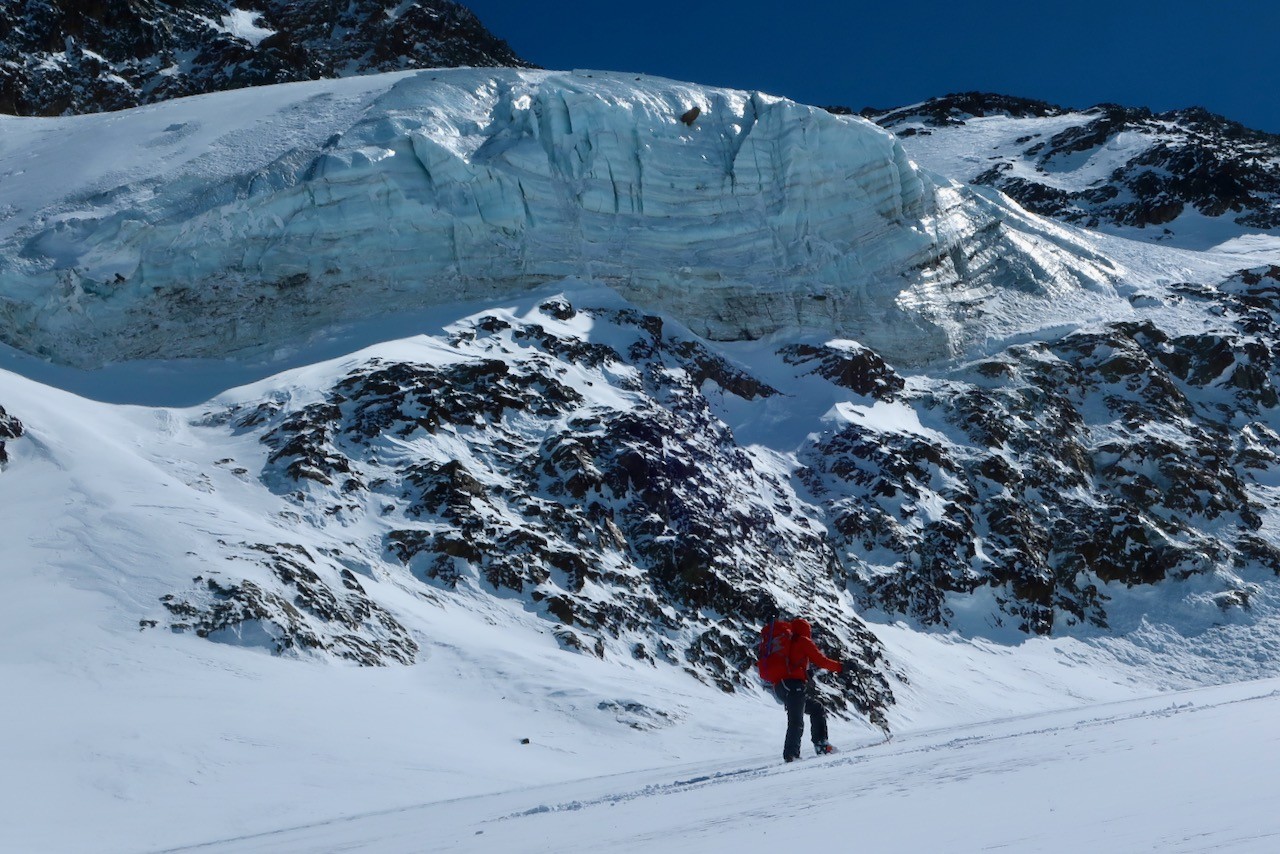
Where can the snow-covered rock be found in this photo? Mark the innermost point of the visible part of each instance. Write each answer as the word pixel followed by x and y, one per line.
pixel 647 500
pixel 69 57
pixel 1186 177
pixel 567 457
pixel 208 226
pixel 10 428
pixel 1037 488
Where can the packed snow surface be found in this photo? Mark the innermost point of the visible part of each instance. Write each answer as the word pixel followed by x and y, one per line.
pixel 217 223
pixel 1180 773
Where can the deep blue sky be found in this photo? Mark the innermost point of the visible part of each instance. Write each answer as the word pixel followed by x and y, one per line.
pixel 1219 54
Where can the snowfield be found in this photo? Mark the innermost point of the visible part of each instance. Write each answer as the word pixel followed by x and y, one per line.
pixel 190 746
pixel 1188 772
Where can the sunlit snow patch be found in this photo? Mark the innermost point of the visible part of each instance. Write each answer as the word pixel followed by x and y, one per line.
pixel 242 24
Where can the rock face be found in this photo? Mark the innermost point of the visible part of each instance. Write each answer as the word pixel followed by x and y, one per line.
pixel 397 192
pixel 10 428
pixel 64 57
pixel 577 459
pixel 587 477
pixel 1056 476
pixel 1109 166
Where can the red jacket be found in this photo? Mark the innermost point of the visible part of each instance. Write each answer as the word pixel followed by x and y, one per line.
pixel 804 652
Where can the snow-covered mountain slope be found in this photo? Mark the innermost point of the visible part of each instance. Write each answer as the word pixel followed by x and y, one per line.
pixel 66 57
pixel 645 500
pixel 1185 177
pixel 186 592
pixel 256 218
pixel 524 400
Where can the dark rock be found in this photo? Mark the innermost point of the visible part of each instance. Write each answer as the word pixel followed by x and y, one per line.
pixel 851 366
pixel 62 57
pixel 1068 480
pixel 10 428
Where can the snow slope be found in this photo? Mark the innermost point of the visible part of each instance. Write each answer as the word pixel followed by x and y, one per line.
pixel 1109 778
pixel 223 222
pixel 157 739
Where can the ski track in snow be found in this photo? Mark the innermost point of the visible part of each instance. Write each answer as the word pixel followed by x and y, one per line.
pixel 734 805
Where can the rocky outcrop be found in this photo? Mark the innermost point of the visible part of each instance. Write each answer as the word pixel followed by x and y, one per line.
pixel 955 109
pixel 639 530
pixel 1057 475
pixel 303 604
pixel 10 428
pixel 1158 166
pixel 64 57
pixel 847 364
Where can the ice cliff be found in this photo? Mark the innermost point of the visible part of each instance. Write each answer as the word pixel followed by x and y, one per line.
pixel 220 223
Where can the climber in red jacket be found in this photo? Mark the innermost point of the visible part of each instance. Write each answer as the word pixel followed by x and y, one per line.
pixel 793 691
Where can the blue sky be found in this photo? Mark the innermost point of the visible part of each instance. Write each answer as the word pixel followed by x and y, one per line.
pixel 1219 54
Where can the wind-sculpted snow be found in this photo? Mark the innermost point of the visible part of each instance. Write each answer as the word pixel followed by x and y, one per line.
pixel 318 203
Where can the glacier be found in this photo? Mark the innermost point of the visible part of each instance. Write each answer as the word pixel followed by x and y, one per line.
pixel 223 223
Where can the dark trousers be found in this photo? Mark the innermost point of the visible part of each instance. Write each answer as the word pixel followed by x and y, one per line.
pixel 795 696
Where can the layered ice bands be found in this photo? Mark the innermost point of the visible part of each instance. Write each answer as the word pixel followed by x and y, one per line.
pixel 215 224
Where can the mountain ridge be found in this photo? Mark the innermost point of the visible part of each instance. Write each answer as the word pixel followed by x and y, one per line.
pixel 1125 169
pixel 69 57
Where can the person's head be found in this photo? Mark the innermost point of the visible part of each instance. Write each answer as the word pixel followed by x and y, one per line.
pixel 800 626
